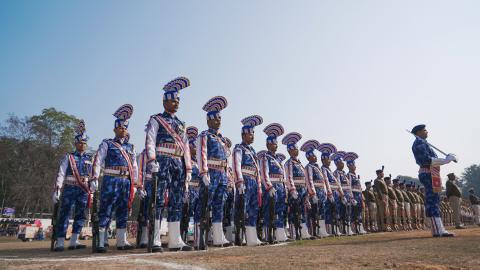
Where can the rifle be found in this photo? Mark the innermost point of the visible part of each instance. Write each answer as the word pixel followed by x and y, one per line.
pixel 204 220
pixel 152 205
pixel 53 238
pixel 356 213
pixel 227 211
pixel 185 221
pixel 314 217
pixel 333 209
pixel 260 222
pixel 95 221
pixel 296 218
pixel 140 222
pixel 240 220
pixel 429 144
pixel 271 220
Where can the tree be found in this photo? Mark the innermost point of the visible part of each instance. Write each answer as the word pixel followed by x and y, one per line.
pixel 470 178
pixel 33 146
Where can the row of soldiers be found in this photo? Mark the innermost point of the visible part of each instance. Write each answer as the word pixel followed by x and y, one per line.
pixel 234 196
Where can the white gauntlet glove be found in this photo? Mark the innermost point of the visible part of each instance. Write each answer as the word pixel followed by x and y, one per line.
pixel 241 189
pixel 294 194
pixel 93 185
pixel 56 196
pixel 315 199
pixel 153 166
pixel 206 179
pixel 141 193
pixel 272 192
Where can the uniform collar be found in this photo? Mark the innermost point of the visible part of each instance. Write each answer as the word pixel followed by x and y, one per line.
pixel 118 140
pixel 168 115
pixel 214 132
pixel 76 153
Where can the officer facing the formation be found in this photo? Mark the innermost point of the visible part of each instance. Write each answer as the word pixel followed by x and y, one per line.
pixel 247 178
pixel 169 159
pixel 318 188
pixel 429 176
pixel 333 205
pixel 296 183
pixel 346 206
pixel 119 176
pixel 357 199
pixel 73 174
pixel 213 166
pixel 273 178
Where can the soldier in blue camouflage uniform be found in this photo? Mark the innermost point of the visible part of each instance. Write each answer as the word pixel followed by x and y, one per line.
pixel 230 195
pixel 247 178
pixel 194 185
pixel 297 184
pixel 318 187
pixel 212 157
pixel 75 182
pixel 346 205
pixel 119 175
pixel 357 200
pixel 430 164
pixel 169 157
pixel 273 185
pixel 333 204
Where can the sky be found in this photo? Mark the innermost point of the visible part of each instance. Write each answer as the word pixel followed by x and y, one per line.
pixel 353 73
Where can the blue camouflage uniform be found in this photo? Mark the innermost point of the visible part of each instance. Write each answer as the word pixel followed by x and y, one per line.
pixel 336 192
pixel 320 187
pixel 271 167
pixel 295 175
pixel 193 197
pixel 357 196
pixel 74 196
pixel 345 209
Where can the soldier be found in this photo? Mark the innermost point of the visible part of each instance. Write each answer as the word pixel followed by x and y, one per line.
pixel 421 206
pixel 413 206
pixel 382 199
pixel 170 160
pixel 247 178
pixel 400 205
pixel 318 188
pixel 230 195
pixel 213 163
pixel 273 178
pixel 194 184
pixel 357 199
pixel 296 183
pixel 371 203
pixel 407 206
pixel 73 175
pixel 345 208
pixel 454 195
pixel 120 170
pixel 429 175
pixel 334 203
pixel 475 202
pixel 392 204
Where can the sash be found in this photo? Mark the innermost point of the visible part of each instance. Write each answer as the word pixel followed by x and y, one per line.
pixel 436 180
pixel 130 171
pixel 76 174
pixel 259 181
pixel 171 132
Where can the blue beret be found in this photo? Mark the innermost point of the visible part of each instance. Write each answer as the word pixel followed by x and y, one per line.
pixel 417 128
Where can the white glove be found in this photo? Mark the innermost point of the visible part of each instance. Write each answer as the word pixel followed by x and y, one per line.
pixel 294 194
pixel 188 178
pixel 56 196
pixel 272 192
pixel 241 189
pixel 153 166
pixel 331 199
pixel 451 157
pixel 315 199
pixel 440 161
pixel 354 202
pixel 93 185
pixel 344 201
pixel 141 193
pixel 206 179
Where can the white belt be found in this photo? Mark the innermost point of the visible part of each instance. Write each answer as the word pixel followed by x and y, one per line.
pixel 250 172
pixel 320 185
pixel 299 182
pixel 221 163
pixel 116 172
pixel 276 180
pixel 71 180
pixel 346 188
pixel 356 190
pixel 194 184
pixel 170 151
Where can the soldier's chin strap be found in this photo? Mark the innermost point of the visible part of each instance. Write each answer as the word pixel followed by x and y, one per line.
pixel 429 144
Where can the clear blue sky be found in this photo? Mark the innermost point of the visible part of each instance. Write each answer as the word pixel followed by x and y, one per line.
pixel 353 73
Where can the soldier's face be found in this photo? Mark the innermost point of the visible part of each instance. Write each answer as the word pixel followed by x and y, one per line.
pixel 248 138
pixel 326 161
pixel 351 167
pixel 171 105
pixel 272 147
pixel 121 132
pixel 214 123
pixel 293 152
pixel 380 175
pixel 312 158
pixel 340 165
pixel 422 133
pixel 81 146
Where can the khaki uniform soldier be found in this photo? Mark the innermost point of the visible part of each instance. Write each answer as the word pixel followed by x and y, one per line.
pixel 406 207
pixel 421 207
pixel 400 205
pixel 413 206
pixel 475 202
pixel 381 191
pixel 371 203
pixel 392 204
pixel 454 195
pixel 365 213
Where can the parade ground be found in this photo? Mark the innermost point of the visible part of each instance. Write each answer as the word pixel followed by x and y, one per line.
pixel 397 250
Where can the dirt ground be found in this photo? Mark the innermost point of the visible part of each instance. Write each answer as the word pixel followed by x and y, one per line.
pixel 400 250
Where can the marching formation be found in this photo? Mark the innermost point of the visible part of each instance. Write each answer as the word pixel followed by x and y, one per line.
pixel 234 196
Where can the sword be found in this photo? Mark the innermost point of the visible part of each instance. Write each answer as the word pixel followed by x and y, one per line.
pixel 429 144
